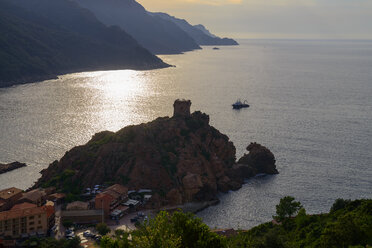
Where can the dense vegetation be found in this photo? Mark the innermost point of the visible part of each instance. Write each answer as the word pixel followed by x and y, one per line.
pixel 168 230
pixel 349 224
pixel 41 39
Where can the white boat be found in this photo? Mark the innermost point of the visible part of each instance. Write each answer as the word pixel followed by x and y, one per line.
pixel 239 104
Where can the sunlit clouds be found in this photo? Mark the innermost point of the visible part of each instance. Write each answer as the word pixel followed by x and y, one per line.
pixel 175 3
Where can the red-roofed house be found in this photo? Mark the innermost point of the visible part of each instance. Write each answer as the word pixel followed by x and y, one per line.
pixel 24 205
pixel 111 198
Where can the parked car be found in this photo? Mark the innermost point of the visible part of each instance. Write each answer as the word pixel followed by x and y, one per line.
pixel 87 234
pixel 140 214
pixel 70 235
pixel 133 220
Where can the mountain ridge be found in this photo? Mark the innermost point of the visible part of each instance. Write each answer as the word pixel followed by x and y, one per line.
pixel 199 33
pixel 34 47
pixel 154 33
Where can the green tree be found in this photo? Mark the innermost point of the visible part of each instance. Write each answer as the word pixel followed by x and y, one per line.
pixel 176 230
pixel 339 204
pixel 286 208
pixel 102 229
pixel 156 233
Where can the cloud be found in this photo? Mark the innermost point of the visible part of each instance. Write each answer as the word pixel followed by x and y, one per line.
pixel 214 2
pixel 274 18
pixel 189 2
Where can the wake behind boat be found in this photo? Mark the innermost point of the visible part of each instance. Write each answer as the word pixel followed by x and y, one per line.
pixel 239 104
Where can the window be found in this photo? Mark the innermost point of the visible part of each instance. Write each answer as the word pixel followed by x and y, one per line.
pixel 6 225
pixel 39 227
pixel 31 223
pixel 31 229
pixel 39 222
pixel 31 217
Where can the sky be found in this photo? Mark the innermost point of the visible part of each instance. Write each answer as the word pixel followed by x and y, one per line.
pixel 292 19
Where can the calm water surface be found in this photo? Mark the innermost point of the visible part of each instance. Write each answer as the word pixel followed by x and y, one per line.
pixel 311 104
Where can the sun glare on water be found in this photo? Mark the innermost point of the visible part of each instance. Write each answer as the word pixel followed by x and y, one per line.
pixel 116 96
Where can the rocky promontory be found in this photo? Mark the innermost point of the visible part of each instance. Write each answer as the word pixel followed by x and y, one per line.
pixel 9 167
pixel 181 158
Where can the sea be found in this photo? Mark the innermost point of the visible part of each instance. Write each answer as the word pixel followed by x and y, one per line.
pixel 310 104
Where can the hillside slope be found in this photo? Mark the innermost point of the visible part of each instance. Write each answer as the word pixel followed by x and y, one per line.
pixel 35 47
pixel 348 224
pixel 202 36
pixel 156 34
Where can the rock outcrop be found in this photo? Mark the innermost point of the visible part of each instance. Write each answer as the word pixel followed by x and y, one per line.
pixel 182 159
pixel 9 167
pixel 260 159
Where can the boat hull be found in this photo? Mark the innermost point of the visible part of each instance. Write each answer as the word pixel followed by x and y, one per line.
pixel 240 106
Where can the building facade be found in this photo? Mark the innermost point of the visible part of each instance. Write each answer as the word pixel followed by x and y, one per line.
pixel 24 221
pixel 111 198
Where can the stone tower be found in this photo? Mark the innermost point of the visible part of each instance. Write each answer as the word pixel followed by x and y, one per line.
pixel 181 108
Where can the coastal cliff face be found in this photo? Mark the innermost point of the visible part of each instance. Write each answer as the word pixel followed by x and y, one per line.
pixel 182 159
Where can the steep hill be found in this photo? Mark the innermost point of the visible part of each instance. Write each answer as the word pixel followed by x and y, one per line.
pixel 348 224
pixel 156 34
pixel 181 158
pixel 66 38
pixel 199 33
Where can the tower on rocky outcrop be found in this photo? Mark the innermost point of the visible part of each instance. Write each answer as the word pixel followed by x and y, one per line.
pixel 181 108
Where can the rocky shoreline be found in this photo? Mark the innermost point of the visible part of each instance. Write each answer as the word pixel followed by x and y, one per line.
pixel 27 79
pixel 11 166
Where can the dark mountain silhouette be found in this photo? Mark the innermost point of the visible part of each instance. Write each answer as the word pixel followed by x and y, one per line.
pixel 154 33
pixel 64 38
pixel 199 33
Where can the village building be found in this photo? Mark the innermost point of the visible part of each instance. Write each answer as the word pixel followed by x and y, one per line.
pixel 9 197
pixel 84 217
pixel 58 198
pixel 26 220
pixel 111 198
pixel 36 196
pixel 77 205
